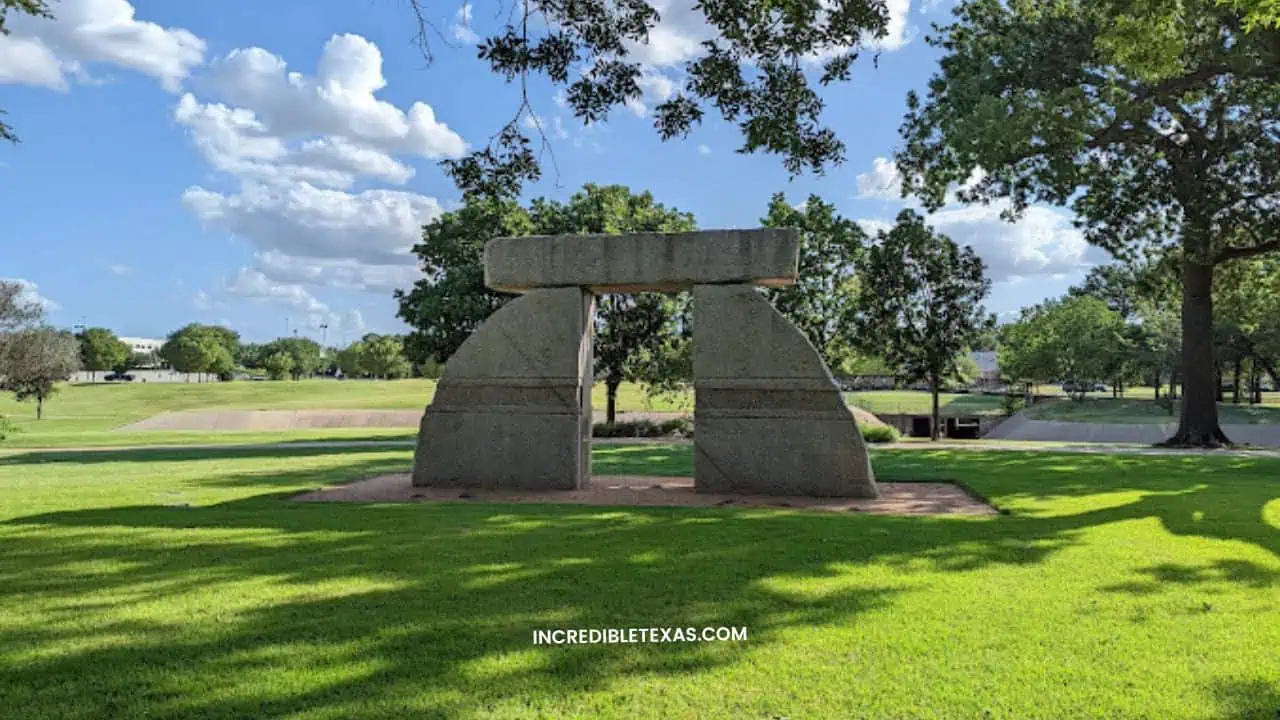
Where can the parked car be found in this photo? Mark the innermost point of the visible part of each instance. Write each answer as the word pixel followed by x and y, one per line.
pixel 119 377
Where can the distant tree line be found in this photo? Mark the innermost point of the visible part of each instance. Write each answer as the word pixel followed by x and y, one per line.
pixel 1122 326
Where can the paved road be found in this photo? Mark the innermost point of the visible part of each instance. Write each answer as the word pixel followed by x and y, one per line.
pixel 1021 428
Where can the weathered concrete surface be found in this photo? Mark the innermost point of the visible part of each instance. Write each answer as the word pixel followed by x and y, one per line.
pixel 769 418
pixel 1021 428
pixel 663 262
pixel 513 409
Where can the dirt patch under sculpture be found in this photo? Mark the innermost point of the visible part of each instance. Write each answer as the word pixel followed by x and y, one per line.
pixel 896 498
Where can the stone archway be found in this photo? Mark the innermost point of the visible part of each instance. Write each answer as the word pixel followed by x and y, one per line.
pixel 513 408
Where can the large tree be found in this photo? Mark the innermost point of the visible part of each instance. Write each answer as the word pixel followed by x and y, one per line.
pixel 1032 105
pixel 820 302
pixel 758 70
pixel 1077 339
pixel 382 356
pixel 304 355
pixel 101 350
pixel 34 360
pixel 920 303
pixel 630 328
pixel 197 348
pixel 16 309
pixel 451 300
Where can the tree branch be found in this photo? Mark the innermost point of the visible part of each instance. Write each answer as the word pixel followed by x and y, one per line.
pixel 1240 253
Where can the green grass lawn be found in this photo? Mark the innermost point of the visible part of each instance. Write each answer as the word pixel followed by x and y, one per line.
pixel 910 402
pixel 88 414
pixel 1129 410
pixel 182 584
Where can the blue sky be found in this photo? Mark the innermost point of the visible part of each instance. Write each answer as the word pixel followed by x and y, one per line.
pixel 267 165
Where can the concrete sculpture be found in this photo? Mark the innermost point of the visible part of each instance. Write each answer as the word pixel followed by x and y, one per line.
pixel 513 408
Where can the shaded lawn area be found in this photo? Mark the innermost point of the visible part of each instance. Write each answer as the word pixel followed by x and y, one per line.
pixel 912 402
pixel 1134 411
pixel 182 584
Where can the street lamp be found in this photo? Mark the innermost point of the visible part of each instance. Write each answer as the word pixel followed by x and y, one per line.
pixel 324 334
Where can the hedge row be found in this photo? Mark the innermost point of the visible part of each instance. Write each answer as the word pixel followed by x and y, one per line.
pixel 683 428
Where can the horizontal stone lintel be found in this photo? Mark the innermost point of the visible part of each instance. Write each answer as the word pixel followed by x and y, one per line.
pixel 643 262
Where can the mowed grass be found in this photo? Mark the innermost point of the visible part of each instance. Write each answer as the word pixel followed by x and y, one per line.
pixel 1131 410
pixel 911 402
pixel 89 415
pixel 183 584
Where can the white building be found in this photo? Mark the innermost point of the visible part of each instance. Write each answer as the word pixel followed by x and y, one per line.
pixel 143 345
pixel 988 366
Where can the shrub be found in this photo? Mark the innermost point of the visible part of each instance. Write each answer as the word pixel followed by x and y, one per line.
pixel 675 427
pixel 880 434
pixel 1012 403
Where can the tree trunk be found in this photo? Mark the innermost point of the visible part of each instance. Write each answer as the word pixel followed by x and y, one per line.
pixel 1156 384
pixel 1235 386
pixel 1217 382
pixel 933 426
pixel 1198 425
pixel 1255 387
pixel 611 401
pixel 39 407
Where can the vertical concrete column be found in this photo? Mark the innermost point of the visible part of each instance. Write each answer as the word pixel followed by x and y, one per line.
pixel 513 408
pixel 768 416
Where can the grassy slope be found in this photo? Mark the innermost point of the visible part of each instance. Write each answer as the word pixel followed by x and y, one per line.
pixel 89 414
pixel 1117 587
pixel 909 402
pixel 1109 410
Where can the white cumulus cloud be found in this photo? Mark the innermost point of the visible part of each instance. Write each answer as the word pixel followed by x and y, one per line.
pixel 461 27
pixel 374 226
pixel 84 33
pixel 1043 243
pixel 882 183
pixel 339 100
pixel 296 146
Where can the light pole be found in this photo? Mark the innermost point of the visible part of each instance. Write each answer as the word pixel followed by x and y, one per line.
pixel 324 334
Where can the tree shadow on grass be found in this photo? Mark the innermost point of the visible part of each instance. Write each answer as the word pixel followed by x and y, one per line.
pixel 276 608
pixel 1248 699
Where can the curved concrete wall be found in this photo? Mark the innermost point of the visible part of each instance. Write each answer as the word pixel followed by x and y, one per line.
pixel 770 418
pixel 513 408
